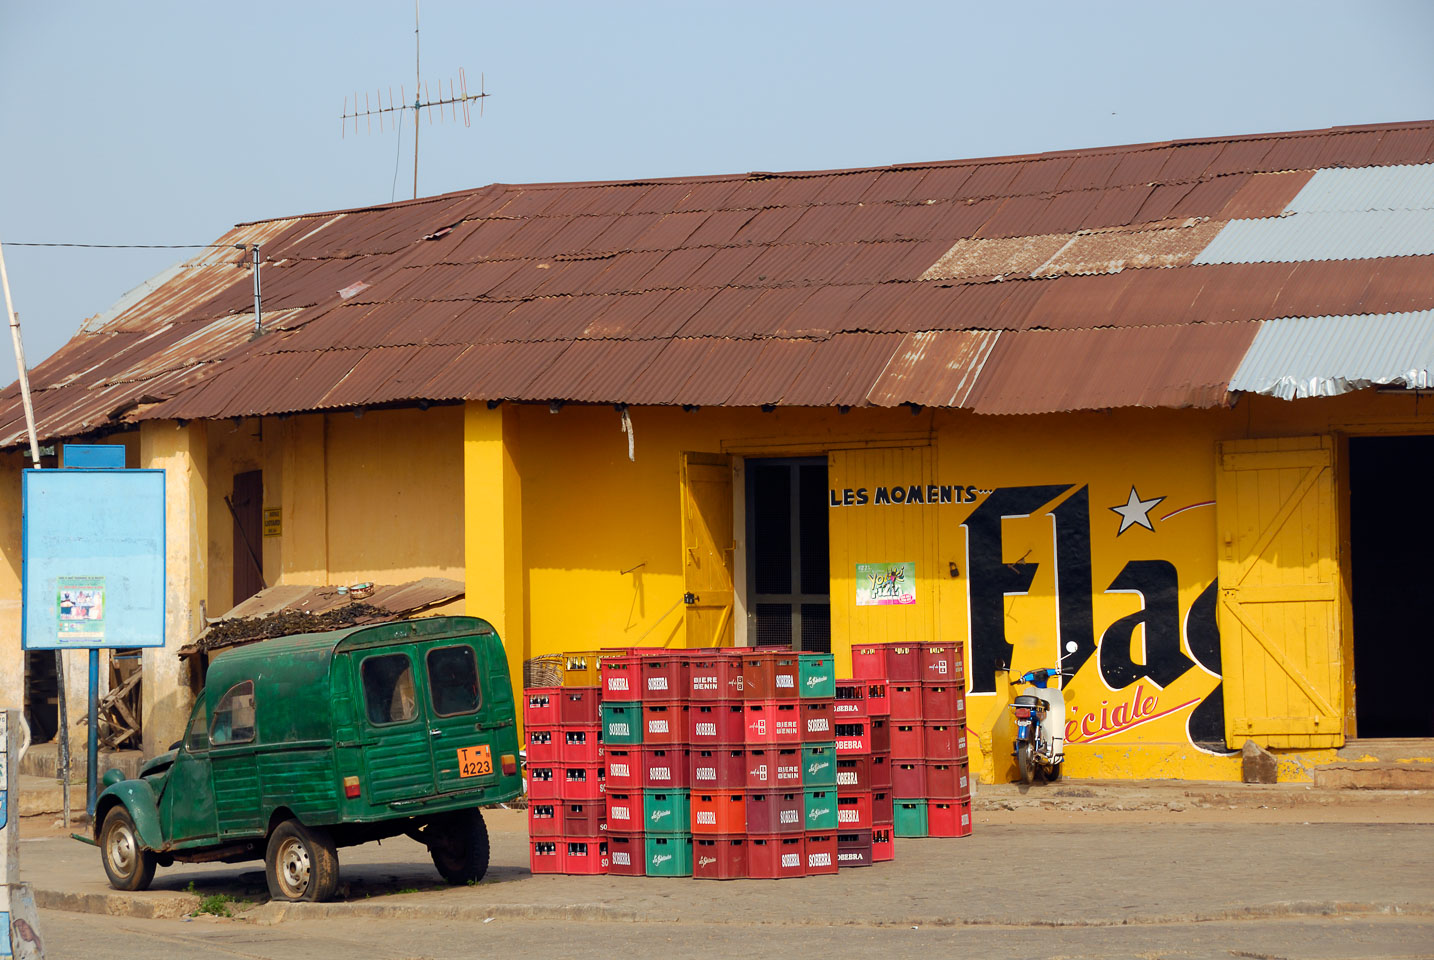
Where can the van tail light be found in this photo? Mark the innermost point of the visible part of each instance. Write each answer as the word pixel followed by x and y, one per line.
pixel 510 764
pixel 351 787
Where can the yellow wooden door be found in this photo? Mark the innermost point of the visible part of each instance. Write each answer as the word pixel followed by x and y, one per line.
pixel 880 531
pixel 1279 614
pixel 707 546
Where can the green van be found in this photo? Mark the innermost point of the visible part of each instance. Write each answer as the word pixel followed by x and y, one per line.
pixel 300 745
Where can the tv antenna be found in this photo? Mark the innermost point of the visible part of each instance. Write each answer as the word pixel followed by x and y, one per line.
pixel 458 98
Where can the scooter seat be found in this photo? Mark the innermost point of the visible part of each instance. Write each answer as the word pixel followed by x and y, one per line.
pixel 1026 700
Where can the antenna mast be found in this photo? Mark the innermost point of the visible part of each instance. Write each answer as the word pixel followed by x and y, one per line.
pixel 458 96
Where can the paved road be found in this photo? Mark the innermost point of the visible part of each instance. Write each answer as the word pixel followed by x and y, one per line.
pixel 113 938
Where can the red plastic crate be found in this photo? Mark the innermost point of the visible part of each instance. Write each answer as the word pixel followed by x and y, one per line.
pixel 584 856
pixel 854 810
pixel 769 675
pixel 626 855
pixel 883 808
pixel 908 778
pixel 773 721
pixel 664 722
pixel 720 812
pixel 868 662
pixel 581 744
pixel 624 812
pixel 776 857
pixel 942 701
pixel 878 698
pixel 717 768
pixel 624 767
pixel 545 856
pixel 880 734
pixel 905 701
pixel 714 675
pixel 622 677
pixel 817 721
pixel 948 781
pixel 579 705
pixel 786 671
pixel 853 738
pixel 540 707
pixel 775 811
pixel 850 701
pixel 787 722
pixel 881 771
pixel 664 677
pixel 665 767
pixel 853 772
pixel 584 819
pixel 883 844
pixel 945 741
pixel 908 740
pixel 719 858
pixel 820 851
pixel 903 662
pixel 544 744
pixel 774 768
pixel 544 782
pixel 543 820
pixel 854 848
pixel 716 722
pixel 941 662
pixel 580 781
pixel 948 818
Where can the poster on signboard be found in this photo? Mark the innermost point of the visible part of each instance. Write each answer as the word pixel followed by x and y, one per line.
pixel 80 608
pixel 885 584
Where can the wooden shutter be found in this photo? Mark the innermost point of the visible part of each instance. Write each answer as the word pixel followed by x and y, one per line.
pixel 707 546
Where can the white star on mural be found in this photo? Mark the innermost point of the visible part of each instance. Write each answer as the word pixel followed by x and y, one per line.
pixel 1135 511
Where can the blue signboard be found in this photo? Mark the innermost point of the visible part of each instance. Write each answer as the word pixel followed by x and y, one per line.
pixel 93 559
pixel 93 456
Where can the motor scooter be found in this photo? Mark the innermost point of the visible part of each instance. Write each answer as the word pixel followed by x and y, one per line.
pixel 1040 746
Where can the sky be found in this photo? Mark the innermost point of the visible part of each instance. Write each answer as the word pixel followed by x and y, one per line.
pixel 167 123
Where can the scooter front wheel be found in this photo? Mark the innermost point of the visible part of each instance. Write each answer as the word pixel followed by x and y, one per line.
pixel 1052 773
pixel 1026 761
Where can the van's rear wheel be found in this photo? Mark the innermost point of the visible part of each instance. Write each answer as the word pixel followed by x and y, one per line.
pixel 128 865
pixel 301 863
pixel 458 843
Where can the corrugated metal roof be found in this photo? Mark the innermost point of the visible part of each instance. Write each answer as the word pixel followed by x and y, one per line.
pixel 1325 356
pixel 1325 235
pixel 905 284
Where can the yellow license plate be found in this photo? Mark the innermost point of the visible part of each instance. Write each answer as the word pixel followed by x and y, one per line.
pixel 475 761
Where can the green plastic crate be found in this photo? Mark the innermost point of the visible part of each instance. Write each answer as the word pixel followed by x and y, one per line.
pixel 669 856
pixel 821 809
pixel 911 818
pixel 622 722
pixel 819 765
pixel 667 812
pixel 816 675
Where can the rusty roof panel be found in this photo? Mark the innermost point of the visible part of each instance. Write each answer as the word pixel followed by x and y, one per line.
pixel 661 380
pixel 1162 202
pixel 943 182
pixel 717 316
pixel 716 376
pixel 1404 146
pixel 841 371
pixel 1187 162
pixel 589 370
pixel 707 195
pixel 1114 250
pixel 819 312
pixel 770 372
pixel 1090 172
pixel 893 185
pixel 936 369
pixel 1263 195
pixel 996 257
pixel 1140 167
pixel 769 314
pixel 1045 371
pixel 669 232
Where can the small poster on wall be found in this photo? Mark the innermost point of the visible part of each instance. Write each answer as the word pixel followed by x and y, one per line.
pixel 81 608
pixel 885 584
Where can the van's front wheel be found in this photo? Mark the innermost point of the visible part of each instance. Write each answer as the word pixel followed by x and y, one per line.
pixel 301 863
pixel 127 864
pixel 458 843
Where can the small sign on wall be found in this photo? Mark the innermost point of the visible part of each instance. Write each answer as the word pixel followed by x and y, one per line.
pixel 885 584
pixel 273 521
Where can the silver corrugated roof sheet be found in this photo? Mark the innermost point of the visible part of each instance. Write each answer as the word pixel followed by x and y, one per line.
pixel 1408 187
pixel 1325 356
pixel 1333 235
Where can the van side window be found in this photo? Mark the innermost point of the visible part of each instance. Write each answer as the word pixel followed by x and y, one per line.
pixel 388 690
pixel 453 680
pixel 198 736
pixel 234 715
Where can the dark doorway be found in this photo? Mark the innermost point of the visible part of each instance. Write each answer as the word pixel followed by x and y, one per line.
pixel 42 695
pixel 1392 532
pixel 247 505
pixel 788 582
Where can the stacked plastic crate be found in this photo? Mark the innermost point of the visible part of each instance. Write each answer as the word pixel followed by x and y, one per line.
pixel 566 813
pixel 930 774
pixel 864 812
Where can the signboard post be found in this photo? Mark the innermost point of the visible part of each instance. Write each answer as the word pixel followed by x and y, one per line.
pixel 19 931
pixel 94 573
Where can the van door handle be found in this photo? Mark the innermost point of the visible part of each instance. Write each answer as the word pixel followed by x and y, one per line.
pixel 434 733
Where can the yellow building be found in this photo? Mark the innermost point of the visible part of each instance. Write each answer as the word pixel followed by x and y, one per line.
pixel 1155 414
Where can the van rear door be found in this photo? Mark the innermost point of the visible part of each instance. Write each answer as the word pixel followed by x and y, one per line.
pixel 464 754
pixel 397 758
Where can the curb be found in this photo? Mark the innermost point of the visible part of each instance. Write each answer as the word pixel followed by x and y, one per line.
pixel 275 912
pixel 148 907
